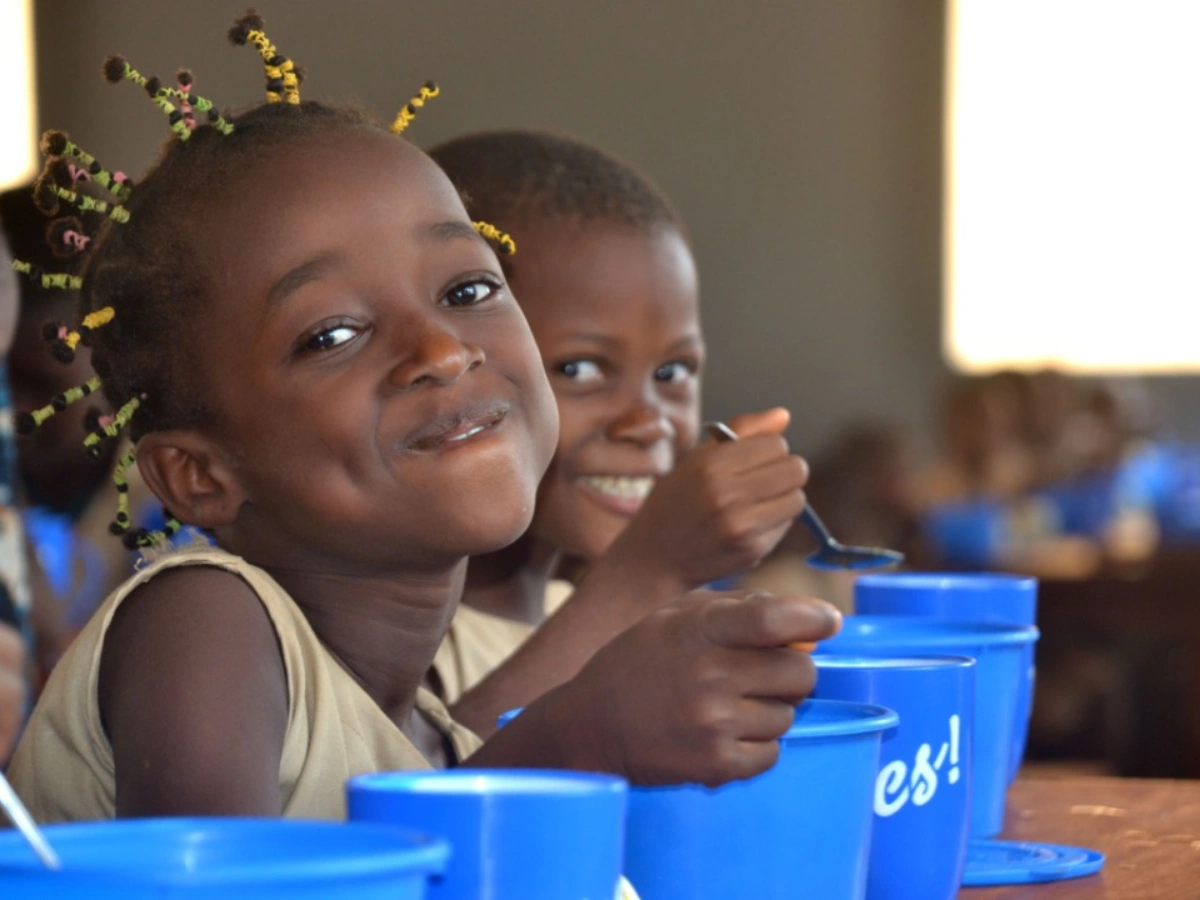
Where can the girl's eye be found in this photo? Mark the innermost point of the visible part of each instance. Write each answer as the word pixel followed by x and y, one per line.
pixel 582 371
pixel 470 293
pixel 329 338
pixel 674 372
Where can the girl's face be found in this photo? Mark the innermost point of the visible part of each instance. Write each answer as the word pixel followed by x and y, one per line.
pixel 376 388
pixel 615 313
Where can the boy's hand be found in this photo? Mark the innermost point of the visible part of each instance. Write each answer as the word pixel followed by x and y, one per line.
pixel 722 509
pixel 700 691
pixel 12 688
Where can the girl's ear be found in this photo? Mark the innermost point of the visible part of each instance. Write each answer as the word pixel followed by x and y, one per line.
pixel 191 477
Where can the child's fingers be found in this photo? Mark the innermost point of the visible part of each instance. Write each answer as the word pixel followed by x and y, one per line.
pixel 764 719
pixel 763 620
pixel 775 478
pixel 769 421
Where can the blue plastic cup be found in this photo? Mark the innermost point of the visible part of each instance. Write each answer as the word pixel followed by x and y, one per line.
pixel 223 859
pixel 514 834
pixel 923 789
pixel 999 651
pixel 801 829
pixel 966 597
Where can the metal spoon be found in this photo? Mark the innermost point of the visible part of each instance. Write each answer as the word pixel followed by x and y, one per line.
pixel 832 554
pixel 20 817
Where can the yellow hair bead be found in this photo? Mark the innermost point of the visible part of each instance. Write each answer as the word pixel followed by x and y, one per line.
pixel 492 233
pixel 91 321
pixel 278 69
pixel 59 280
pixel 408 112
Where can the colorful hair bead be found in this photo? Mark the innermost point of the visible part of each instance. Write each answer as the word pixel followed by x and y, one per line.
pixel 67 237
pixel 110 428
pixel 27 422
pixel 58 280
pixel 186 98
pixel 63 342
pixel 57 143
pixel 51 187
pixel 121 522
pixel 283 81
pixel 141 538
pixel 117 69
pixel 408 112
pixel 492 233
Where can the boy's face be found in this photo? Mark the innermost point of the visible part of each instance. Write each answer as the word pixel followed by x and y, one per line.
pixel 615 313
pixel 375 386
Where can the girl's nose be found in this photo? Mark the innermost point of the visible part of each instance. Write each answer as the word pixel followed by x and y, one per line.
pixel 644 424
pixel 439 357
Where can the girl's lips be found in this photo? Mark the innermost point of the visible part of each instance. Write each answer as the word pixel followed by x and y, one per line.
pixel 455 430
pixel 621 494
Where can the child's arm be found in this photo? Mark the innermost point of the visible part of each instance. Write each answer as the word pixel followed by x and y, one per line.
pixel 12 687
pixel 723 508
pixel 193 696
pixel 699 691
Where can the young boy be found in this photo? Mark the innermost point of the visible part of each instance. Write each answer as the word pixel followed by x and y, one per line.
pixel 608 284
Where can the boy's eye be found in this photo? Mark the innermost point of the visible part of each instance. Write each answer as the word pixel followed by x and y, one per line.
pixel 582 371
pixel 328 338
pixel 674 372
pixel 469 293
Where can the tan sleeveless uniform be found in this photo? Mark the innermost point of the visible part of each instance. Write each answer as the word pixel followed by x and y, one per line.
pixel 63 767
pixel 476 643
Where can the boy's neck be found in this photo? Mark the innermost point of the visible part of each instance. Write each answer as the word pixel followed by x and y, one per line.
pixel 511 583
pixel 384 632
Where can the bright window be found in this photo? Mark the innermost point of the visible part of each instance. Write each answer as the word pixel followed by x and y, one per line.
pixel 18 118
pixel 1073 185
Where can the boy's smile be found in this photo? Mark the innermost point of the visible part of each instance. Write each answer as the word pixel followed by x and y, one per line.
pixel 376 390
pixel 615 312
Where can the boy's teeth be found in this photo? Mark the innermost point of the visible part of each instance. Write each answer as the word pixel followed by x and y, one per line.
pixel 630 488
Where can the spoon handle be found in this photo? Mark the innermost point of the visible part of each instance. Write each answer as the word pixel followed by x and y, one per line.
pixel 722 432
pixel 816 526
pixel 20 817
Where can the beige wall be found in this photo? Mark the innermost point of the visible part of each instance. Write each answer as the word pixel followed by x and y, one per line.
pixel 801 140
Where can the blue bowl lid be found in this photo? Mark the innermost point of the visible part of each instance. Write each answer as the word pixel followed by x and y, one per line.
pixel 915 662
pixel 838 718
pixel 1025 862
pixel 460 782
pixel 958 581
pixel 929 634
pixel 223 851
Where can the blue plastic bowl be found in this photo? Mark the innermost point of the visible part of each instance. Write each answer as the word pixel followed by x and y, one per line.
pixel 1000 676
pixel 516 834
pixel 802 829
pixel 218 859
pixel 966 597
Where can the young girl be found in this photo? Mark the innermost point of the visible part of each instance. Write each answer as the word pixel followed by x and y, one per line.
pixel 607 282
pixel 336 384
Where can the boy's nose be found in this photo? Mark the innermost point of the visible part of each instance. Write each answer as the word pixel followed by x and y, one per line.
pixel 644 424
pixel 439 357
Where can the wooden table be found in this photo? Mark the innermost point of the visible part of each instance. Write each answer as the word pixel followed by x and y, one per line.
pixel 1148 828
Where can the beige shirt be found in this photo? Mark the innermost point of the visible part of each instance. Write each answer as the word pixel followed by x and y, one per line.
pixel 63 767
pixel 476 643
